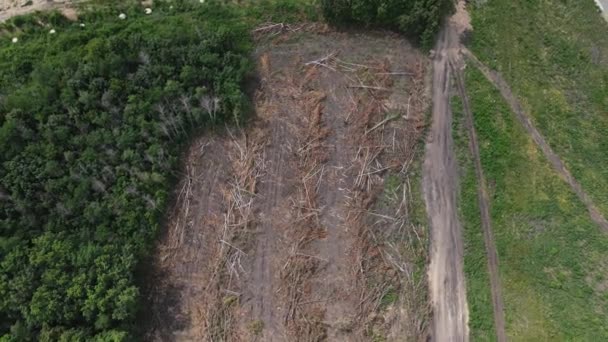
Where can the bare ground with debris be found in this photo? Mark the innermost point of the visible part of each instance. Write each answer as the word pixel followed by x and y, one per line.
pixel 283 231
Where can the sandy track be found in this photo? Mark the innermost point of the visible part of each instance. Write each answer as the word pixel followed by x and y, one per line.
pixel 526 120
pixel 603 6
pixel 446 270
pixel 446 275
pixel 484 208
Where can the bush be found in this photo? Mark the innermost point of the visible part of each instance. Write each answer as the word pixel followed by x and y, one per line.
pixel 91 123
pixel 419 19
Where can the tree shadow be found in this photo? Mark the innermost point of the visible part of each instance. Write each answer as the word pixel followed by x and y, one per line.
pixel 159 315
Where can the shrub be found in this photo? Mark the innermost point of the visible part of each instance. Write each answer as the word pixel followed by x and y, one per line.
pixel 91 123
pixel 419 19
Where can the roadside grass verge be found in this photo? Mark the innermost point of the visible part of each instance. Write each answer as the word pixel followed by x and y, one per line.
pixel 553 258
pixel 554 54
pixel 479 298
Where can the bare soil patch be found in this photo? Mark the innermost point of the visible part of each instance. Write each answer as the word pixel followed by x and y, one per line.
pixel 279 232
pixel 11 8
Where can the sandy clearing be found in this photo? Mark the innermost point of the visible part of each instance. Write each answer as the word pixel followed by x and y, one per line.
pixel 328 263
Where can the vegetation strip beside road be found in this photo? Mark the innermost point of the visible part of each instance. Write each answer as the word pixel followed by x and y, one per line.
pixel 484 208
pixel 479 295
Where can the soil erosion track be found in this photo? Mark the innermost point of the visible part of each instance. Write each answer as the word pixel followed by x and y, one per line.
pixel 446 275
pixel 525 119
pixel 484 208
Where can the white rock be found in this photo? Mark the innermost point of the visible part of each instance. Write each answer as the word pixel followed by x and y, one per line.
pixel 202 1
pixel 15 39
pixel 82 25
pixel 148 10
pixel 122 16
pixel 52 31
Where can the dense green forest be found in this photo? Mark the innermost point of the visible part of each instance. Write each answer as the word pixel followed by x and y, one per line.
pixel 419 19
pixel 91 122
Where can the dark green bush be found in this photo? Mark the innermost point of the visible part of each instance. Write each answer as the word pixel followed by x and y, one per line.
pixel 91 123
pixel 419 19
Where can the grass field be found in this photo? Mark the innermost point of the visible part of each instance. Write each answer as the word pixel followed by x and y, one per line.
pixel 553 259
pixel 554 54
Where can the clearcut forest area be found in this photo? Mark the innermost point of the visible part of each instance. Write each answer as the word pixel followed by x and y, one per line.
pixel 303 170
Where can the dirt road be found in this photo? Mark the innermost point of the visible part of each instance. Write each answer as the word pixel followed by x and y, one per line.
pixel 603 6
pixel 446 275
pixel 526 120
pixel 484 208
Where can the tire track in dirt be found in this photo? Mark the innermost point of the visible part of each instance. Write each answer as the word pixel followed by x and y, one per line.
pixel 484 208
pixel 196 273
pixel 262 307
pixel 526 120
pixel 446 273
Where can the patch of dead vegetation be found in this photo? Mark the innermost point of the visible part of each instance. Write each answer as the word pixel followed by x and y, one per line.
pixel 278 232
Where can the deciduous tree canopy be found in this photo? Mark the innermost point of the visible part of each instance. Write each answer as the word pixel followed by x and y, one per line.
pixel 420 19
pixel 91 121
